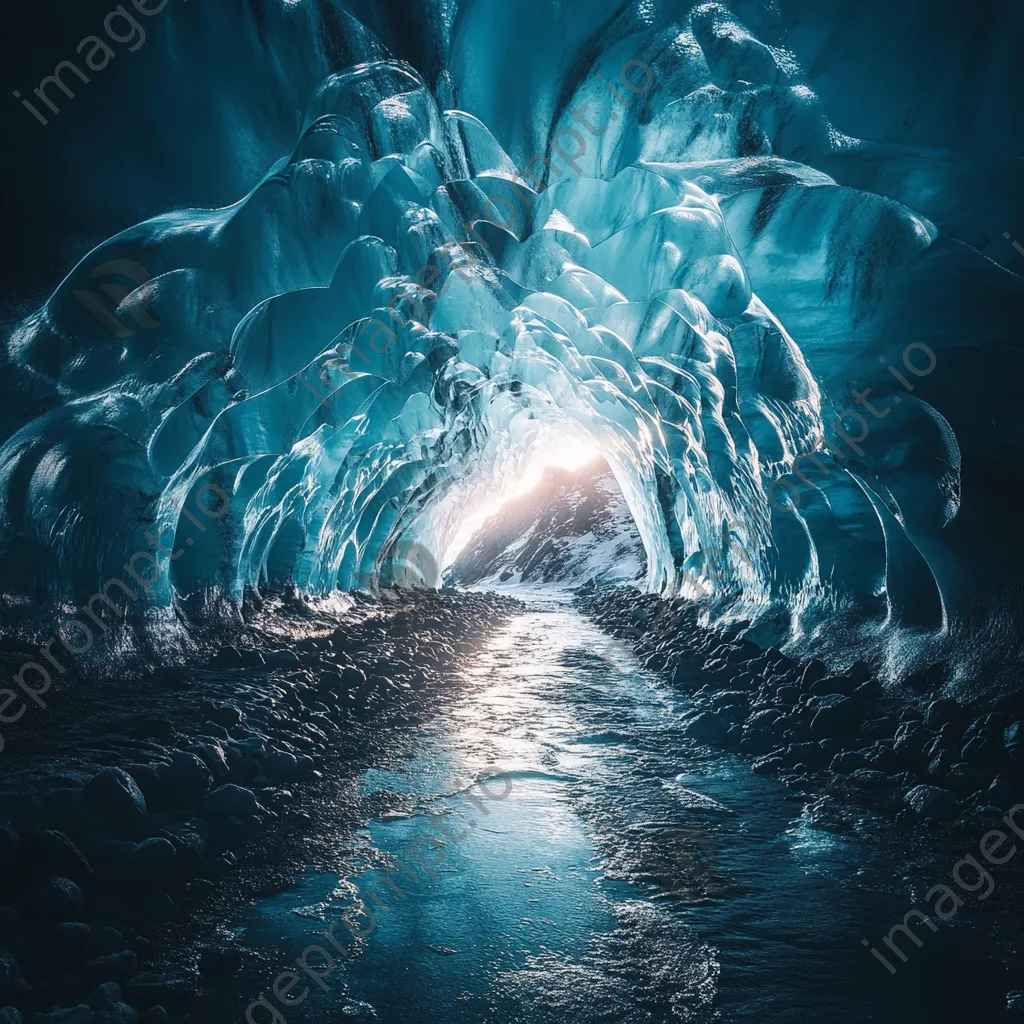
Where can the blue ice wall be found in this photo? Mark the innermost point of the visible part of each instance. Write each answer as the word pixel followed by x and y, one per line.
pixel 498 224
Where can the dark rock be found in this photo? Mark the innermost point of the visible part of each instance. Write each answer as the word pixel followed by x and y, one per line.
pixel 872 689
pixel 763 731
pixel 115 797
pixel 352 677
pixel 939 766
pixel 11 981
pixel 212 755
pixel 186 780
pixel 931 802
pixel 231 801
pixel 117 967
pixel 848 762
pixel 811 754
pixel 980 751
pixel 226 715
pixel 1000 794
pixel 10 1015
pixel 770 765
pixel 833 684
pixel 837 718
pixel 911 739
pixel 154 857
pixel 228 657
pixel 151 987
pixel 70 942
pixel 119 1013
pixel 155 1015
pixel 106 940
pixel 104 996
pixel 154 906
pixel 52 852
pixel 80 1014
pixel 707 727
pixel 155 728
pixel 190 840
pixel 927 680
pixel 282 765
pixel 1014 741
pixel 942 711
pixel 814 671
pixel 859 672
pixel 878 725
pixel 868 778
pixel 282 659
pixel 964 778
pixel 59 899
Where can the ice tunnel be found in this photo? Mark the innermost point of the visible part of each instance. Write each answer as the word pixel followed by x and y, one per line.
pixel 643 233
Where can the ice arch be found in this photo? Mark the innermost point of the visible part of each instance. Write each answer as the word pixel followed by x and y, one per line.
pixel 385 323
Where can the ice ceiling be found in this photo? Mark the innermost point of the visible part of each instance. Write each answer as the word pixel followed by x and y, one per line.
pixel 377 335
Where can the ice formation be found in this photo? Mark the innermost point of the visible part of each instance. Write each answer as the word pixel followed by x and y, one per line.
pixel 354 353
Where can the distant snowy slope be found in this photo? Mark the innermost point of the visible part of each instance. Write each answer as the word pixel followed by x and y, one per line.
pixel 571 528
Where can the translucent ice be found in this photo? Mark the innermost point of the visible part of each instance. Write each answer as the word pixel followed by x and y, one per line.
pixel 374 337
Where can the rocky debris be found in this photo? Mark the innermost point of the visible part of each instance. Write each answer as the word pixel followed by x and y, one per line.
pixel 708 728
pixel 931 802
pixel 913 751
pixel 140 819
pixel 114 795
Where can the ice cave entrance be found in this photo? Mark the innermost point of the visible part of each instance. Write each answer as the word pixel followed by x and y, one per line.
pixel 569 453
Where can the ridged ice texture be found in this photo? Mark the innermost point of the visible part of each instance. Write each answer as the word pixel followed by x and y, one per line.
pixel 615 304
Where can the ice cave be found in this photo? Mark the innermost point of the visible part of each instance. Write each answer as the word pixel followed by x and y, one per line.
pixel 308 293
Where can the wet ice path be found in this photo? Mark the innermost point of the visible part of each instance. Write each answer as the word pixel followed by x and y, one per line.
pixel 616 873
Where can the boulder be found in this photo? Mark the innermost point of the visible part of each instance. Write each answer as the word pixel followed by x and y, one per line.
pixel 114 795
pixel 811 754
pixel 282 765
pixel 770 765
pixel 940 712
pixel 231 801
pixel 927 680
pixel 104 995
pixel 833 684
pixel 707 728
pixel 837 717
pixel 848 762
pixel 70 942
pixel 1014 741
pixel 186 780
pixel 813 671
pixel 117 967
pixel 868 778
pixel 153 858
pixel 59 899
pixel 152 987
pixel 931 802
pixel 911 739
pixel 52 852
pixel 80 1014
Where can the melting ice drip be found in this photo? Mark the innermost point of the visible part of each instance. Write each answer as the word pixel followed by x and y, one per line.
pixel 610 302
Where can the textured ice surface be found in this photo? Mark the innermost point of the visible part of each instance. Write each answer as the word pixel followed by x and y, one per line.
pixel 370 340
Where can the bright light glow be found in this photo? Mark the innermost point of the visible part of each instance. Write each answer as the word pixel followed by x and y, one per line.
pixel 568 453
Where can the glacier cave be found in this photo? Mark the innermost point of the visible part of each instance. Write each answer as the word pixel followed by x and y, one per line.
pixel 307 293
